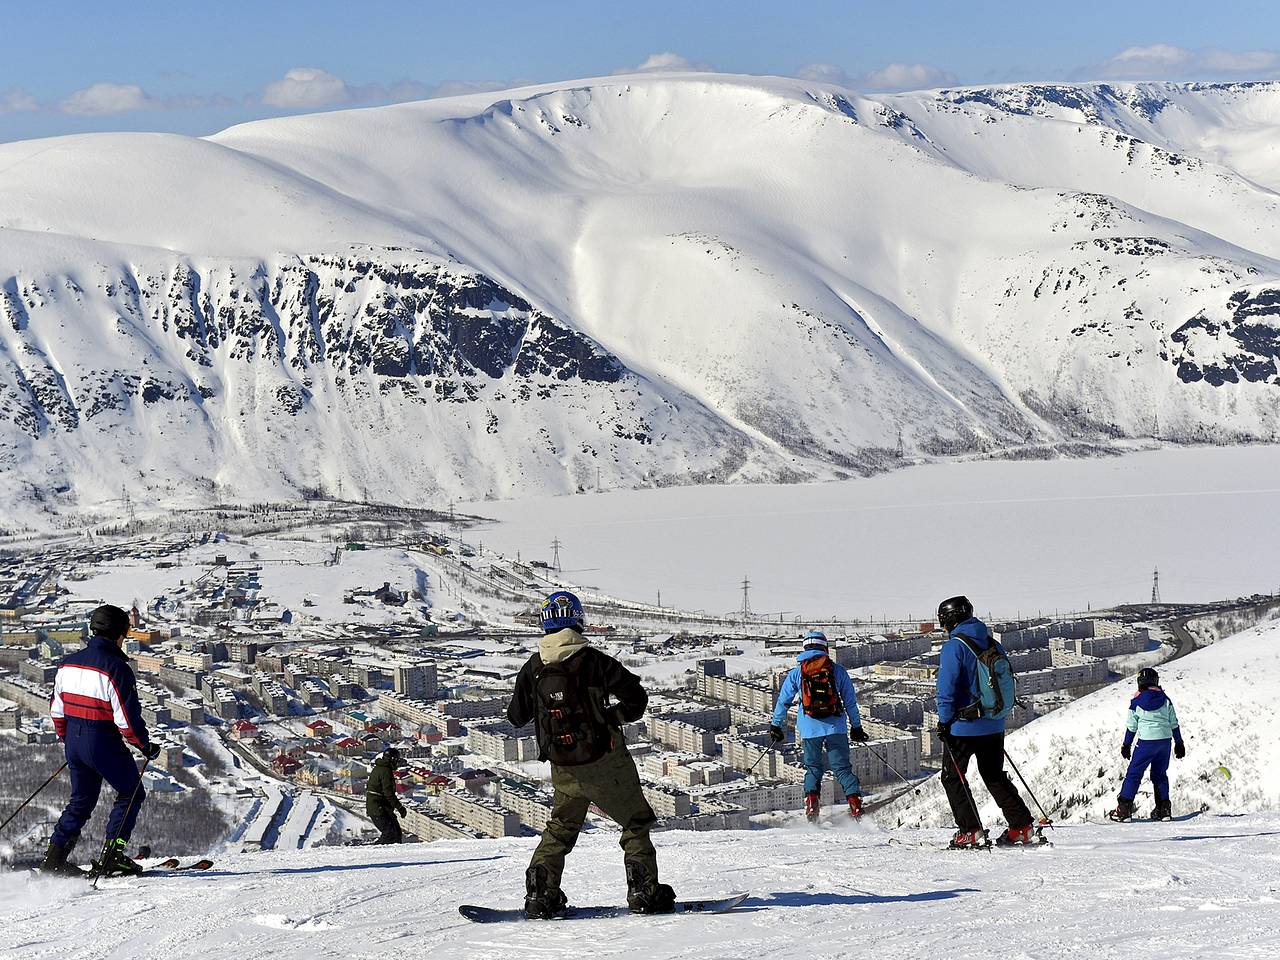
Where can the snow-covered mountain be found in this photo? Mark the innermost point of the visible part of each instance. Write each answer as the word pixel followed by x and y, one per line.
pixel 650 279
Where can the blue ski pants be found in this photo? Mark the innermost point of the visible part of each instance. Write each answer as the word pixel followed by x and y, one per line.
pixel 1153 754
pixel 97 752
pixel 836 746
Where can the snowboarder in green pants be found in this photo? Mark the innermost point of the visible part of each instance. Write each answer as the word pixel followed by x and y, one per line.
pixel 578 699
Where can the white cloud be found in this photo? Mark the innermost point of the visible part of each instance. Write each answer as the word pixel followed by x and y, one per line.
pixel 16 100
pixel 668 62
pixel 826 73
pixel 1167 62
pixel 103 98
pixel 907 76
pixel 896 76
pixel 307 87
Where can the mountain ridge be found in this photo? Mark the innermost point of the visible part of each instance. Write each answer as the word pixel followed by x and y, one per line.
pixel 791 281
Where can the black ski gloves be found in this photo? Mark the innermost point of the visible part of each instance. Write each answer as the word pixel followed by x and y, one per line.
pixel 944 731
pixel 858 735
pixel 1126 750
pixel 1179 750
pixel 151 751
pixel 776 734
pixel 400 810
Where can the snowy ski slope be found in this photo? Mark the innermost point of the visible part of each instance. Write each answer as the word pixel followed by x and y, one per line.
pixel 654 280
pixel 1202 889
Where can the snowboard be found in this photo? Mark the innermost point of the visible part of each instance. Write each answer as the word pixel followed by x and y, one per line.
pixel 478 914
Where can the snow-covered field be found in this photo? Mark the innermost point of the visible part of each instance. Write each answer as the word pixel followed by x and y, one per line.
pixel 1016 536
pixel 1203 889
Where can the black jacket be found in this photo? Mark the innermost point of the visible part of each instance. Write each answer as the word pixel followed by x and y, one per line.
pixel 605 678
pixel 380 794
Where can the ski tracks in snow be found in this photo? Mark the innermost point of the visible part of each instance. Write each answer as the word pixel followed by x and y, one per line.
pixel 1201 889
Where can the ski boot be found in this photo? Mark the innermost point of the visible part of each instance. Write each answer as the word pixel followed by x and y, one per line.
pixel 855 806
pixel 540 901
pixel 1123 811
pixel 1016 837
pixel 644 893
pixel 1163 810
pixel 116 863
pixel 969 840
pixel 811 807
pixel 55 861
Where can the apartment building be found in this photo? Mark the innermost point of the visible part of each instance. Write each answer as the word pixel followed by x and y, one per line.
pixel 480 813
pixel 500 740
pixel 679 735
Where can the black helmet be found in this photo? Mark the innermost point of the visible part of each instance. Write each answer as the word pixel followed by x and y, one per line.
pixel 1147 677
pixel 953 612
pixel 109 622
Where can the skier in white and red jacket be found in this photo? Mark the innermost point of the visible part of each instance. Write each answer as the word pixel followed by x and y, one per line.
pixel 95 711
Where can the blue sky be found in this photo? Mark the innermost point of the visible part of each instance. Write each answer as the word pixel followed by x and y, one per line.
pixel 76 66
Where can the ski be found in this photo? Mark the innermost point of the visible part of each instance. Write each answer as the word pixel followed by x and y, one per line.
pixel 479 914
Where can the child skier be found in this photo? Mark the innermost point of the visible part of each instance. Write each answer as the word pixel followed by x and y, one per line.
pixel 95 709
pixel 827 698
pixel 967 734
pixel 1154 722
pixel 565 689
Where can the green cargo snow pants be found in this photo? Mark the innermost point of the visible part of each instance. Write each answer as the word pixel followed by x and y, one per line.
pixel 613 785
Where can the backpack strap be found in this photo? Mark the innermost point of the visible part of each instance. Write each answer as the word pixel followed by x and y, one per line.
pixel 974 710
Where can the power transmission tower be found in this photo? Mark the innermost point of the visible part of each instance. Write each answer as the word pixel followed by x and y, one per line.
pixel 746 599
pixel 900 448
pixel 555 554
pixel 1155 586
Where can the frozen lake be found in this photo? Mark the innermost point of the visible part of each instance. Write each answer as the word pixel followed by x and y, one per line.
pixel 1017 537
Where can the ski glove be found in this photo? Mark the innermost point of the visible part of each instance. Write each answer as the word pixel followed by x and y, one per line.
pixel 1179 750
pixel 151 751
pixel 400 810
pixel 776 734
pixel 614 716
pixel 858 735
pixel 944 731
pixel 1126 750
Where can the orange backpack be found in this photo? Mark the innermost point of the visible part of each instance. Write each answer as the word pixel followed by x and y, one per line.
pixel 818 691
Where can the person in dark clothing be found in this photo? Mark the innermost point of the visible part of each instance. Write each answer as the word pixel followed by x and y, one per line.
pixel 95 711
pixel 578 699
pixel 380 799
pixel 966 735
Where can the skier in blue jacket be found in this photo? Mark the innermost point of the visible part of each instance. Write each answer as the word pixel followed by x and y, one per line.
pixel 828 701
pixel 966 735
pixel 1154 722
pixel 95 710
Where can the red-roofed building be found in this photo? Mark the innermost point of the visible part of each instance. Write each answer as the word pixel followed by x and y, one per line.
pixel 319 728
pixel 244 730
pixel 286 765
pixel 349 747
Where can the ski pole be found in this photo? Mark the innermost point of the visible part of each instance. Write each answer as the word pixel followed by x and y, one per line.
pixel 758 759
pixel 1044 821
pixel 106 847
pixel 24 803
pixel 876 753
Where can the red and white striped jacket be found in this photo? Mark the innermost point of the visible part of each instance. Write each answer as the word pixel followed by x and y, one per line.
pixel 96 684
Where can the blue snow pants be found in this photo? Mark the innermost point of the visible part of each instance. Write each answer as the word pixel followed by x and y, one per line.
pixel 97 752
pixel 1153 754
pixel 836 746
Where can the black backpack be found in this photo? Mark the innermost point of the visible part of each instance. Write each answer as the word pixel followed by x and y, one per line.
pixel 571 726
